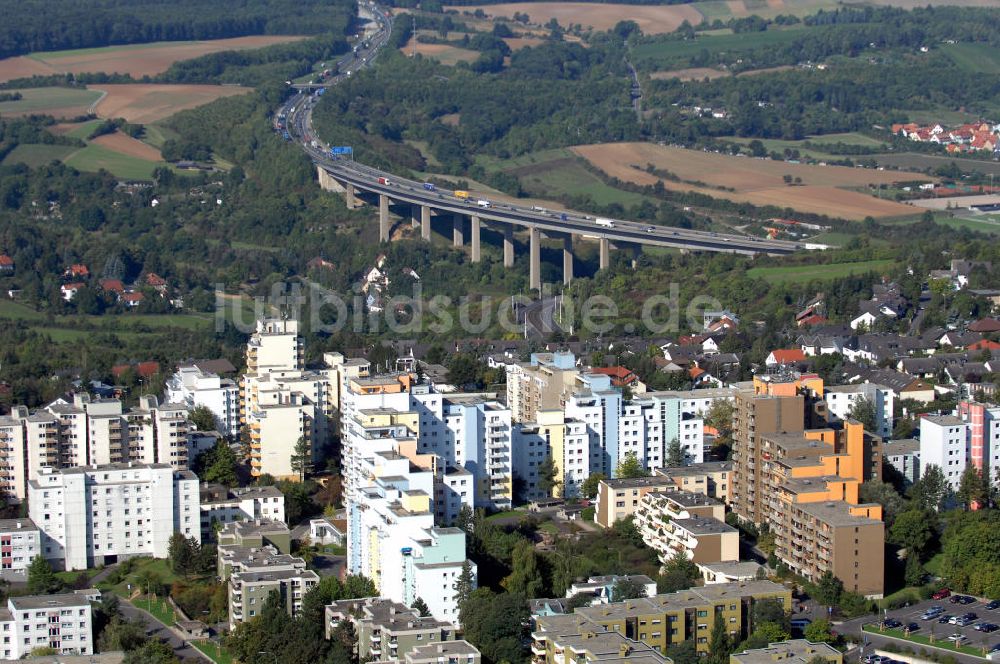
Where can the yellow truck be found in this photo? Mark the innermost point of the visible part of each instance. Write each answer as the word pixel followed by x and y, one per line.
pixel 461 194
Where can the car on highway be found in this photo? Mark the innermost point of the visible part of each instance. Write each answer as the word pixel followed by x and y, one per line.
pixel 993 604
pixel 650 229
pixel 941 594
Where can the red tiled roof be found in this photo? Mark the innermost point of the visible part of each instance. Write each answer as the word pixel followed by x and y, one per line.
pixel 144 369
pixel 984 344
pixel 694 372
pixel 619 375
pixel 133 297
pixel 154 279
pixel 78 270
pixel 6 260
pixel 73 286
pixel 786 356
pixel 814 319
pixel 112 285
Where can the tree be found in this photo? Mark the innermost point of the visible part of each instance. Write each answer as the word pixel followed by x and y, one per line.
pixel 343 644
pixel 863 411
pixel 819 631
pixel 181 554
pixel 494 623
pixel 675 454
pixel 151 652
pixel 931 491
pixel 630 467
pixel 221 465
pixel 41 579
pixel 420 606
pixel 548 479
pixel 769 611
pixel 719 646
pixel 590 485
pixel 464 584
pixel 914 530
pixel 679 573
pixel 525 578
pixel 627 588
pixel 973 488
pixel 914 573
pixel 203 418
pixel 301 461
pixel 884 494
pixel 828 590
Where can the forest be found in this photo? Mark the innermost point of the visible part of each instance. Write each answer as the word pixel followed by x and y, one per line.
pixel 39 25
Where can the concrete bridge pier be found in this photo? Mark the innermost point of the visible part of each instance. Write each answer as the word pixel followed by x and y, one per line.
pixel 350 198
pixel 535 259
pixel 567 260
pixel 415 215
pixel 508 245
pixel 476 251
pixel 383 218
pixel 457 236
pixel 605 259
pixel 425 222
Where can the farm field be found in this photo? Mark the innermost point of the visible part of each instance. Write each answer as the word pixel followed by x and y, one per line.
pixel 652 20
pixel 823 189
pixel 145 103
pixel 918 162
pixel 58 102
pixel 657 55
pixel 34 156
pixel 800 273
pixel 446 54
pixel 135 59
pixel 690 74
pixel 976 58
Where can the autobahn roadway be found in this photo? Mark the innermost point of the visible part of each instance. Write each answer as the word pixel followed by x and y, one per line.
pixel 298 114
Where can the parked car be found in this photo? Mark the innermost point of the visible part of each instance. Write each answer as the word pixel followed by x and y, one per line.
pixel 912 627
pixel 993 604
pixel 965 599
pixel 892 623
pixel 945 619
pixel 941 594
pixel 957 637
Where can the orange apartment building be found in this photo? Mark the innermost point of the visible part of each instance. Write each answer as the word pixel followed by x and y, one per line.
pixel 804 483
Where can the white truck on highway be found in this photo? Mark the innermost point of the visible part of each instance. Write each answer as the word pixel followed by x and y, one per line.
pixel 484 203
pixel 607 223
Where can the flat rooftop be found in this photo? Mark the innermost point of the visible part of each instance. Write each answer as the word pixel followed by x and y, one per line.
pixel 703 526
pixel 49 601
pixel 795 651
pixel 835 513
pixel 901 446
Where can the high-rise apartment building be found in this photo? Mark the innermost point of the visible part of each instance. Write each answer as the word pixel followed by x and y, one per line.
pixel 61 622
pixel 93 515
pixel 193 386
pixel 944 442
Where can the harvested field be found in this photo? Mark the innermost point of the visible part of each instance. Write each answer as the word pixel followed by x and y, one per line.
pixel 517 43
pixel 126 145
pixel 145 103
pixel 692 74
pixel 767 70
pixel 652 19
pixel 443 53
pixel 136 59
pixel 824 189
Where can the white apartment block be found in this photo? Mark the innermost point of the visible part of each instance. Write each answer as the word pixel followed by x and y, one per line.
pixel 840 399
pixel 88 432
pixel 393 541
pixel 220 505
pixel 61 622
pixel 20 542
pixel 566 441
pixel 97 515
pixel 651 423
pixel 943 443
pixel 193 387
pixel 282 402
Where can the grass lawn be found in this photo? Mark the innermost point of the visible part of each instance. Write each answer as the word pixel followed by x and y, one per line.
pixel 96 157
pixel 974 58
pixel 158 606
pixel 36 100
pixel 799 273
pixel 18 311
pixel 779 145
pixel 984 224
pixel 833 238
pixel 156 135
pixel 924 640
pixel 82 130
pixel 44 56
pixel 38 155
pixel 933 566
pixel 71 577
pixel 69 326
pixel 553 173
pixel 661 54
pixel 156 566
pixel 214 651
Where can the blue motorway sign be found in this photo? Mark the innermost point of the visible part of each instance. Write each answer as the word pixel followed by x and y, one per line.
pixel 342 149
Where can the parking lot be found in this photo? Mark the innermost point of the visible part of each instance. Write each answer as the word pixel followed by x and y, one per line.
pixel 940 628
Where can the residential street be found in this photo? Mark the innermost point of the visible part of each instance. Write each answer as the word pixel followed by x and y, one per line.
pixel 156 629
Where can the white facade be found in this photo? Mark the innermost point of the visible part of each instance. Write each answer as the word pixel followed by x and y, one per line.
pixel 193 387
pixel 98 514
pixel 249 504
pixel 61 622
pixel 840 399
pixel 20 542
pixel 943 443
